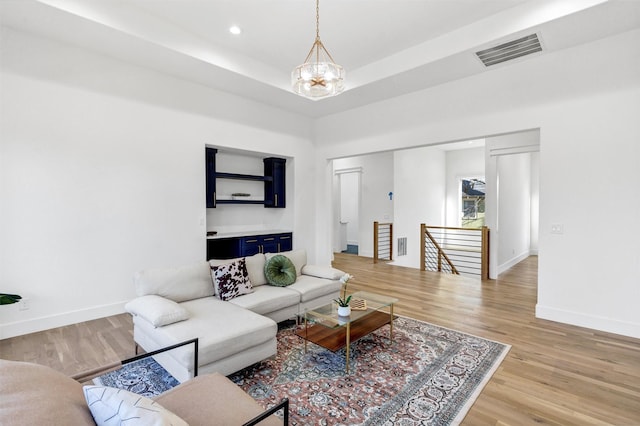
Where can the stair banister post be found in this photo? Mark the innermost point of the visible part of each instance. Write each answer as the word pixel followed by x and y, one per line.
pixel 423 267
pixel 375 242
pixel 484 268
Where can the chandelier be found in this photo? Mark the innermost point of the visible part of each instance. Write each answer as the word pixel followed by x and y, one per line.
pixel 319 76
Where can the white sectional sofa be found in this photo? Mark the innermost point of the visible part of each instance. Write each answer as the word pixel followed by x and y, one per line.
pixel 179 304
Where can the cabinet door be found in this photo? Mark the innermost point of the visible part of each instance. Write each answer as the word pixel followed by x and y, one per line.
pixel 223 248
pixel 210 167
pixel 251 245
pixel 285 242
pixel 270 244
pixel 275 182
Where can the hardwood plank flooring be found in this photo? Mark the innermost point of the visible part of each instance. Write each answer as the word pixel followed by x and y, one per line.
pixel 75 348
pixel 554 373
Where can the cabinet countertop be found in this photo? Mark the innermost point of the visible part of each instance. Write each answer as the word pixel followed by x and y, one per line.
pixel 247 233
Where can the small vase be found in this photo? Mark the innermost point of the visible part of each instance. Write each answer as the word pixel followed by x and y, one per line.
pixel 344 311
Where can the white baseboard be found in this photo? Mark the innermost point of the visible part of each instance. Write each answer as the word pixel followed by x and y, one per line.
pixel 365 253
pixel 33 325
pixel 512 262
pixel 588 321
pixel 403 262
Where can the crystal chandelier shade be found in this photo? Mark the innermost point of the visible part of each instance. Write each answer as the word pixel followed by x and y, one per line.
pixel 319 76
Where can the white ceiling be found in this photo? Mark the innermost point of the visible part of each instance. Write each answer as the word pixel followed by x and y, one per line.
pixel 388 47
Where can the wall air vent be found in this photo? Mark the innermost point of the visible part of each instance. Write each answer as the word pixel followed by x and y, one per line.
pixel 402 246
pixel 510 50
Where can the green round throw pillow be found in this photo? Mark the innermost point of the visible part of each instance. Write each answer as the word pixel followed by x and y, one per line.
pixel 280 271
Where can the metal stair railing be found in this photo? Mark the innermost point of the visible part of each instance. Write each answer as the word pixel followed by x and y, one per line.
pixel 462 251
pixel 382 241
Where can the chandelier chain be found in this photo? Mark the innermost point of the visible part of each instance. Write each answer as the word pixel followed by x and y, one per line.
pixel 317 19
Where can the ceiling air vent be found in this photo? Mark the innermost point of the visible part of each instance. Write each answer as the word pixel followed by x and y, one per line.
pixel 510 50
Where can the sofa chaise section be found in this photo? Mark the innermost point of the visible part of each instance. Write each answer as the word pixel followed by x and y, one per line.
pixel 230 338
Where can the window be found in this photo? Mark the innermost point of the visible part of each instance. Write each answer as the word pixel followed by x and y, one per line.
pixel 472 202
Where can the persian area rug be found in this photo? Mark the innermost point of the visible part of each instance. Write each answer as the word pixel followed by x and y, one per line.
pixel 145 377
pixel 429 376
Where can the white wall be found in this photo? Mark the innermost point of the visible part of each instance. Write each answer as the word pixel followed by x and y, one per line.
pixel 514 209
pixel 535 202
pixel 589 274
pixel 461 164
pixel 102 174
pixel 350 206
pixel 376 181
pixel 585 101
pixel 419 194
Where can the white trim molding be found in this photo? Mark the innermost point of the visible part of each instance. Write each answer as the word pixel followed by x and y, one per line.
pixel 512 262
pixel 610 325
pixel 348 170
pixel 33 325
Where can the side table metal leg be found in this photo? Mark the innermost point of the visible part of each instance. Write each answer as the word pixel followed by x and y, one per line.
pixel 306 333
pixel 348 337
pixel 391 324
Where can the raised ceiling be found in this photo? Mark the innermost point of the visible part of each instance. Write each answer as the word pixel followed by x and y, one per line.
pixel 388 47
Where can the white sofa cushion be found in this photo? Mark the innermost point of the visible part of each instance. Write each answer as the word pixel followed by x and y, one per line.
pixel 266 299
pixel 322 272
pixel 312 287
pixel 298 257
pixel 255 267
pixel 178 284
pixel 157 310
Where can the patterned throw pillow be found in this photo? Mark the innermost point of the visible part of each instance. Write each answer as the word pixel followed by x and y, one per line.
pixel 280 271
pixel 111 406
pixel 231 280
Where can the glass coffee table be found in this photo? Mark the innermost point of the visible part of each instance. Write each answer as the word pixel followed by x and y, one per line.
pixel 324 327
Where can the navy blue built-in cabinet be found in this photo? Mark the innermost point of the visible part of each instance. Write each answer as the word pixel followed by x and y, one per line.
pixel 274 183
pixel 248 245
pixel 210 175
pixel 274 179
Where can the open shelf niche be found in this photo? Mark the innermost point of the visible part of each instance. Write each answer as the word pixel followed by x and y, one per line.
pixel 221 186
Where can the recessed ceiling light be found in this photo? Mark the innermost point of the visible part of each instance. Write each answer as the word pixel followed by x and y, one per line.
pixel 235 30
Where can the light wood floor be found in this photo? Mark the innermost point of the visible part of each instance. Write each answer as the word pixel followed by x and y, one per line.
pixel 554 373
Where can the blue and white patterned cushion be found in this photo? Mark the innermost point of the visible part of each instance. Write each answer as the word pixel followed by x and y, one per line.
pixel 231 280
pixel 111 406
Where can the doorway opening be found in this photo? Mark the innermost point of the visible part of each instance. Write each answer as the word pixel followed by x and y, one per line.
pixel 349 181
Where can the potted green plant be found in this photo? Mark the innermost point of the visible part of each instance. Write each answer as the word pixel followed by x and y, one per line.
pixel 344 309
pixel 7 299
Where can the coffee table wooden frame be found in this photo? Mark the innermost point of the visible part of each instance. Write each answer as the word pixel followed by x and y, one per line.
pixel 334 332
